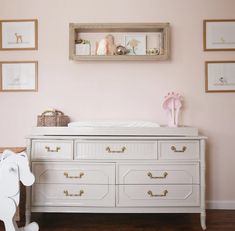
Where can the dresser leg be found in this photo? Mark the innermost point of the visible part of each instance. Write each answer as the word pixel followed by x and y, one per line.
pixel 27 207
pixel 203 220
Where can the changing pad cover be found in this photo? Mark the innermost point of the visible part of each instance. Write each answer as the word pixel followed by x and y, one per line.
pixel 134 124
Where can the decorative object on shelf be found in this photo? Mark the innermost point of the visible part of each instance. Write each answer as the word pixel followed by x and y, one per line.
pixel 19 76
pixel 121 50
pixel 153 51
pixel 172 104
pixel 219 35
pixel 19 34
pixel 14 168
pixel 83 47
pixel 106 46
pixel 220 76
pixel 136 44
pixel 52 118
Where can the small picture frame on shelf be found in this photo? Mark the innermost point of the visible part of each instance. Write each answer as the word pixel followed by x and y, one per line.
pixel 219 35
pixel 136 44
pixel 19 76
pixel 220 76
pixel 19 34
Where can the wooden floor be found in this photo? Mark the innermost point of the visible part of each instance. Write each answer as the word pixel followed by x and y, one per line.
pixel 217 220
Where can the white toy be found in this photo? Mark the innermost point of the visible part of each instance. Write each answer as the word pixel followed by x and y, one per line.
pixel 13 169
pixel 172 104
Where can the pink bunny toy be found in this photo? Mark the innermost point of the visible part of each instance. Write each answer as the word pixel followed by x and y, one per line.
pixel 172 104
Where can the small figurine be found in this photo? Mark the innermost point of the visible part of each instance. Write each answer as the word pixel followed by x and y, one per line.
pixel 172 104
pixel 106 46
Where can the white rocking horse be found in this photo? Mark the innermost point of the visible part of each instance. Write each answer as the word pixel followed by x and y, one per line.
pixel 13 169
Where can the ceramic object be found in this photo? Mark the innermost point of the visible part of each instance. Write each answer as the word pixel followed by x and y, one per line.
pixel 13 169
pixel 172 104
pixel 121 50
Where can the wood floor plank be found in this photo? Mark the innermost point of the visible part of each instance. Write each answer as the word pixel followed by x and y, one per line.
pixel 217 220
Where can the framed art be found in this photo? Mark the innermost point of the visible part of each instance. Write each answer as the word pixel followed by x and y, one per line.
pixel 19 76
pixel 19 34
pixel 220 76
pixel 136 44
pixel 219 35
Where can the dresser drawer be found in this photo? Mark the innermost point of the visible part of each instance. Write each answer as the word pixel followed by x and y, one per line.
pixel 178 150
pixel 158 173
pixel 73 195
pixel 116 149
pixel 52 149
pixel 74 173
pixel 158 195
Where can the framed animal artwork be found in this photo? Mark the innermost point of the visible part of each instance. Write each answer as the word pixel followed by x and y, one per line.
pixel 220 76
pixel 19 34
pixel 19 76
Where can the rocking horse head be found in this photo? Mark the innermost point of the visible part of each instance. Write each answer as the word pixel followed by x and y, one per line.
pixel 21 160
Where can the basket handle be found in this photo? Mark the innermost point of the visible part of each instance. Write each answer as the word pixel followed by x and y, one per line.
pixel 53 112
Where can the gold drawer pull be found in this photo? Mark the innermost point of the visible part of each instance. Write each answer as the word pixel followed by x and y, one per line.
pixel 123 149
pixel 165 174
pixel 157 195
pixel 67 194
pixel 74 177
pixel 173 148
pixel 52 150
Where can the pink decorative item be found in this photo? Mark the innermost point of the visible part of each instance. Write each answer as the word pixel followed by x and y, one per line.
pixel 172 104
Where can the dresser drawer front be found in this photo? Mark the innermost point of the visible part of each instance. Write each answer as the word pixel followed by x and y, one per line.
pixel 179 150
pixel 52 150
pixel 158 173
pixel 74 173
pixel 116 150
pixel 73 195
pixel 158 195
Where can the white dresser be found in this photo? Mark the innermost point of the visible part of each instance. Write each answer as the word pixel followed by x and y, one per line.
pixel 120 172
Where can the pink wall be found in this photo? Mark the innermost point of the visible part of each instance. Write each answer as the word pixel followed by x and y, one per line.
pixel 125 90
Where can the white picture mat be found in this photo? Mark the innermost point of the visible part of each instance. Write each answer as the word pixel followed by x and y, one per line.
pixel 24 29
pixel 221 76
pixel 220 35
pixel 19 76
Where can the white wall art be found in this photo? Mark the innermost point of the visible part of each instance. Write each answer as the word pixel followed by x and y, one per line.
pixel 220 76
pixel 19 34
pixel 18 76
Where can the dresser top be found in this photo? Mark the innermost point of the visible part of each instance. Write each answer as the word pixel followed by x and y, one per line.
pixel 115 131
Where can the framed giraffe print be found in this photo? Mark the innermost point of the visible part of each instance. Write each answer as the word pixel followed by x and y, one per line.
pixel 219 35
pixel 19 34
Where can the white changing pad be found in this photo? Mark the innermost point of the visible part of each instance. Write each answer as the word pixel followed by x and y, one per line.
pixel 122 124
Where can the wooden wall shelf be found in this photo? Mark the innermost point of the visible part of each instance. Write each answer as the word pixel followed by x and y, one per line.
pixel 152 36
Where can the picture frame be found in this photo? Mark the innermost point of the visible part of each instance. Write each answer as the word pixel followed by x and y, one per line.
pixel 220 76
pixel 219 35
pixel 19 34
pixel 136 44
pixel 18 76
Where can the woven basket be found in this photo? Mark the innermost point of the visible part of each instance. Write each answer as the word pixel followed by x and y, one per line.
pixel 52 119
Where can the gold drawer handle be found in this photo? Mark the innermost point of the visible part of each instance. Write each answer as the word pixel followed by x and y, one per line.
pixel 165 174
pixel 157 195
pixel 173 148
pixel 123 149
pixel 67 194
pixel 52 150
pixel 73 177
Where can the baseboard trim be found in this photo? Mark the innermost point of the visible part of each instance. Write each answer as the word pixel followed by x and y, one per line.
pixel 230 205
